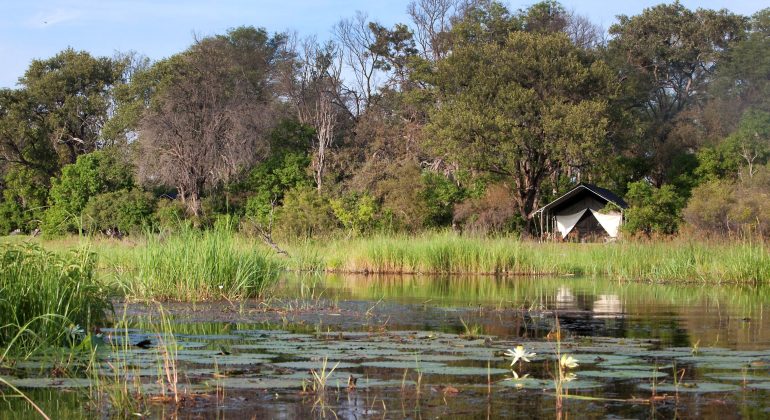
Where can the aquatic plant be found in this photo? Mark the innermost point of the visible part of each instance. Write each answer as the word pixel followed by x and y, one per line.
pixel 49 296
pixel 519 353
pixel 451 253
pixel 197 265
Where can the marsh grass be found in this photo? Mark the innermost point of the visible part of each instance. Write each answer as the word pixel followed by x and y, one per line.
pixel 48 296
pixel 193 265
pixel 450 253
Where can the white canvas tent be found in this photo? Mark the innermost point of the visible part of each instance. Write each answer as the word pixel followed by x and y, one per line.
pixel 585 211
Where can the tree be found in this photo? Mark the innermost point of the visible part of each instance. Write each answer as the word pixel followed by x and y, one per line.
pixel 521 110
pixel 316 93
pixel 666 57
pixel 209 118
pixel 58 112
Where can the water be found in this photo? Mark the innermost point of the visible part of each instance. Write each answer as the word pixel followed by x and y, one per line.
pixel 426 347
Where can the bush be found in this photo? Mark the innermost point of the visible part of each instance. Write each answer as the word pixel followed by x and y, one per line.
pixel 732 207
pixel 95 173
pixel 653 210
pixel 495 211
pixel 169 214
pixel 271 179
pixel 357 212
pixel 304 214
pixel 440 195
pixel 23 200
pixel 120 212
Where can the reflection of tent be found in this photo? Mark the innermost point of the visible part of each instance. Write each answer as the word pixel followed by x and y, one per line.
pixel 607 306
pixel 586 211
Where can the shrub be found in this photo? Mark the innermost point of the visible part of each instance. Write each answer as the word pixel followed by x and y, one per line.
pixel 23 200
pixel 120 212
pixel 495 211
pixel 357 212
pixel 732 207
pixel 304 214
pixel 169 214
pixel 95 173
pixel 653 210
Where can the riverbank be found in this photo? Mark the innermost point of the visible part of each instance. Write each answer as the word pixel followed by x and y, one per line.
pixel 446 253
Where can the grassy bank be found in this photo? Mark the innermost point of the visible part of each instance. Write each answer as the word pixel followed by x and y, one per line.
pixel 448 253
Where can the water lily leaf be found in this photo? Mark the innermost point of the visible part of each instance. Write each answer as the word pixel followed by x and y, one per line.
pixel 232 359
pixel 51 382
pixel 737 377
pixel 690 387
pixel 622 374
pixel 462 371
pixel 403 365
pixel 255 383
pixel 317 365
pixel 427 357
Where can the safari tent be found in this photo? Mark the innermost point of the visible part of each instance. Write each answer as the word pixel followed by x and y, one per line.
pixel 585 213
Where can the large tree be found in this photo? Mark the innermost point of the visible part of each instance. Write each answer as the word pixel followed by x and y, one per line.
pixel 666 57
pixel 211 114
pixel 58 112
pixel 520 110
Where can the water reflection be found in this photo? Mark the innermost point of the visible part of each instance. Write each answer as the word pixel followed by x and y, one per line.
pixel 608 306
pixel 677 314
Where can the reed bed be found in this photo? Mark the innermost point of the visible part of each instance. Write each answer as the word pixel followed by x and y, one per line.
pixel 448 253
pixel 45 297
pixel 194 265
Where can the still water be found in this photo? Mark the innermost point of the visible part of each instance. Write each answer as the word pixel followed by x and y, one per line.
pixel 428 347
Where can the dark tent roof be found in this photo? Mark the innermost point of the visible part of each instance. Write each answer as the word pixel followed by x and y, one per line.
pixel 607 195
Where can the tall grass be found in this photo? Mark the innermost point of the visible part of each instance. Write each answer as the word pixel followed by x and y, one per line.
pixel 193 265
pixel 448 253
pixel 47 297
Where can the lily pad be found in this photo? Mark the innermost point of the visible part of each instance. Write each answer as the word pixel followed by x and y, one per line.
pixel 462 371
pixel 737 377
pixel 403 365
pixel 317 365
pixel 697 387
pixel 427 357
pixel 622 374
pixel 51 382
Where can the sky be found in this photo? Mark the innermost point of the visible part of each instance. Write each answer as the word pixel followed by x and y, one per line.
pixel 38 29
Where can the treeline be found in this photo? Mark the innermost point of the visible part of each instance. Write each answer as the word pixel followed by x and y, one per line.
pixel 471 115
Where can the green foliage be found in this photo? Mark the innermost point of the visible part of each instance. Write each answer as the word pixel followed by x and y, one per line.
pixel 653 210
pixel 520 109
pixel 124 211
pixel 23 200
pixel 732 207
pixel 169 214
pixel 271 179
pixel 440 195
pixel 305 214
pixel 92 174
pixel 357 212
pixel 45 295
pixel 666 56
pixel 193 265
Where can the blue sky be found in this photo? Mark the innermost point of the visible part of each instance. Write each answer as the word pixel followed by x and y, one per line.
pixel 32 29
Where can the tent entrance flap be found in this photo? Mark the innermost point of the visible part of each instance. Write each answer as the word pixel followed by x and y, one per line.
pixel 566 222
pixel 610 222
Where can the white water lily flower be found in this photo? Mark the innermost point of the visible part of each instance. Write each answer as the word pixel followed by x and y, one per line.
pixel 568 362
pixel 519 353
